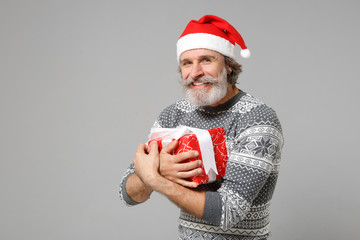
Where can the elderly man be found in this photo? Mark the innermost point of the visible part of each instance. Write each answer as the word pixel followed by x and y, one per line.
pixel 237 205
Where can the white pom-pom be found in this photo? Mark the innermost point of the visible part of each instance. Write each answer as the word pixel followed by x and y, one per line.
pixel 245 53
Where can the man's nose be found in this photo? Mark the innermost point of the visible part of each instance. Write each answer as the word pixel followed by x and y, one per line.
pixel 196 71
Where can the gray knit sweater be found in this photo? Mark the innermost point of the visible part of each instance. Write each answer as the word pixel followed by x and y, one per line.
pixel 237 206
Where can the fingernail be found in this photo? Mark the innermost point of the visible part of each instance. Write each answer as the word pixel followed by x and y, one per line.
pixel 196 153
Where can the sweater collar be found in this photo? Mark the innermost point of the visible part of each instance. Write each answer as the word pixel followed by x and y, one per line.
pixel 226 105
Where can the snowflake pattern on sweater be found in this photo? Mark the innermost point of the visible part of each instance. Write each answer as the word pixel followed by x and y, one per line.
pixel 237 206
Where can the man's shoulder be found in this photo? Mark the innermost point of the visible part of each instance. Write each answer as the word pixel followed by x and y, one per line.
pixel 248 103
pixel 259 113
pixel 172 114
pixel 181 105
pixel 255 111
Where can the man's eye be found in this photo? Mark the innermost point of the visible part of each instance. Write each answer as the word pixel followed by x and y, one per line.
pixel 186 63
pixel 206 60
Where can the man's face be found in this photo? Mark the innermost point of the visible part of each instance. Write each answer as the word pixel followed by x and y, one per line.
pixel 203 75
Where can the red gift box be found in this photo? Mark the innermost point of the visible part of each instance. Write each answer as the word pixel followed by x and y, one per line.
pixel 189 142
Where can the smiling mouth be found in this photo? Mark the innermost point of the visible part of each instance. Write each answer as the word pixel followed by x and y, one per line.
pixel 199 83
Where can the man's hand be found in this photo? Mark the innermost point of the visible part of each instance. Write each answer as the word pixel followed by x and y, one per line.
pixel 147 162
pixel 174 169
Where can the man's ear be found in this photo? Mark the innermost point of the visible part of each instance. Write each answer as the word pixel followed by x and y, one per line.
pixel 228 69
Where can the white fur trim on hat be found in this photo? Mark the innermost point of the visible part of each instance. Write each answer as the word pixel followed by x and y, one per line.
pixel 207 41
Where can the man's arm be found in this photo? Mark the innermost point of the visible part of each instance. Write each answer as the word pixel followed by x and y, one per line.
pixel 132 190
pixel 136 189
pixel 147 169
pixel 173 167
pixel 191 201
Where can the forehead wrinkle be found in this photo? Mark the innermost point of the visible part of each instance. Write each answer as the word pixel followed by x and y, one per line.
pixel 199 57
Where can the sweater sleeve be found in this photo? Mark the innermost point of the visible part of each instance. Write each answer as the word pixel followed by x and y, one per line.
pixel 255 154
pixel 123 194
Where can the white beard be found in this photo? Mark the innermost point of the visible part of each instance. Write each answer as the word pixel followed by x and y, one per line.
pixel 203 97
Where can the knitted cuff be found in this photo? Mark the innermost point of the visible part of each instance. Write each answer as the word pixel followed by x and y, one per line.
pixel 124 194
pixel 212 209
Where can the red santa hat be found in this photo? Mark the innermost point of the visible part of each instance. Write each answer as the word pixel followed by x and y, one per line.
pixel 214 33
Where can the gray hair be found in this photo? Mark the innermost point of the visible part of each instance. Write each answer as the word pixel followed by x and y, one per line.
pixel 236 69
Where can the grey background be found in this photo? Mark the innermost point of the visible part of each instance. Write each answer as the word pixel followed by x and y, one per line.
pixel 81 83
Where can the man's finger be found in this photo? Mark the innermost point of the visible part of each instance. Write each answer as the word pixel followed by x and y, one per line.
pixel 186 155
pixel 170 147
pixel 186 183
pixel 189 165
pixel 141 148
pixel 193 173
pixel 153 148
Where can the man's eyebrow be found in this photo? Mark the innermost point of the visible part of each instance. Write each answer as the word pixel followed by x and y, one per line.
pixel 184 60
